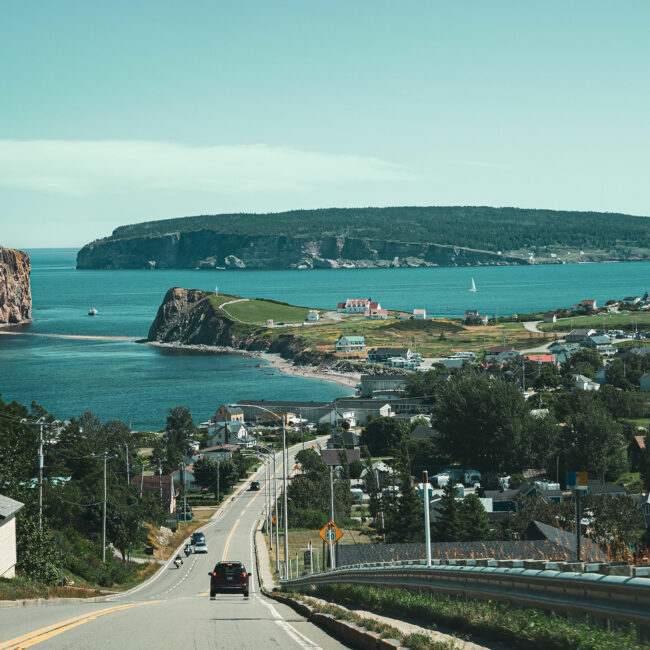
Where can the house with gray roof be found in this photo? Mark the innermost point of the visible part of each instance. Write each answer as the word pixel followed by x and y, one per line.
pixel 9 508
pixel 579 334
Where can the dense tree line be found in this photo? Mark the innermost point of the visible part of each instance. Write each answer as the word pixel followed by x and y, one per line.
pixel 504 229
pixel 73 490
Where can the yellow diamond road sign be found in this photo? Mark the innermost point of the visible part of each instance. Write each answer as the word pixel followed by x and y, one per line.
pixel 330 533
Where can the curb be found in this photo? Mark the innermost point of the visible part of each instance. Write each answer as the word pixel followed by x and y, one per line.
pixel 346 631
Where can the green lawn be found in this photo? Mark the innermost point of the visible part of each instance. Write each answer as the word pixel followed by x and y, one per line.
pixel 612 321
pixel 258 311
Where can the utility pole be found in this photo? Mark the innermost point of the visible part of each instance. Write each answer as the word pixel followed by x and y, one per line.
pixel 427 528
pixel 128 473
pixel 284 496
pixel 523 373
pixel 381 508
pixel 332 560
pixel 141 480
pixel 184 493
pixel 40 477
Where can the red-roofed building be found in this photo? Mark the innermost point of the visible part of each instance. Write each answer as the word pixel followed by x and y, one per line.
pixel 376 314
pixel 420 314
pixel 542 358
pixel 161 485
pixel 356 305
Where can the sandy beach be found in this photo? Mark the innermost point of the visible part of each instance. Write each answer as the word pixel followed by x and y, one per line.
pixel 286 366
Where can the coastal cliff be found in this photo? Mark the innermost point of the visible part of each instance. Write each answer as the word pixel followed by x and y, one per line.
pixel 390 237
pixel 15 290
pixel 206 249
pixel 192 317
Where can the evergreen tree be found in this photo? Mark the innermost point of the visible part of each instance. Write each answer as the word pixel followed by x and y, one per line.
pixel 448 528
pixel 473 520
pixel 405 517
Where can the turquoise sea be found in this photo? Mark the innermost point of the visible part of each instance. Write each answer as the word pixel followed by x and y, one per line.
pixel 127 381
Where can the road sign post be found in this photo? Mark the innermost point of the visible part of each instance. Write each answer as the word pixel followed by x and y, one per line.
pixel 579 481
pixel 330 534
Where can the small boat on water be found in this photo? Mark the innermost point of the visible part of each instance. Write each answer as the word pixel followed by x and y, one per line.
pixel 473 287
pixel 93 312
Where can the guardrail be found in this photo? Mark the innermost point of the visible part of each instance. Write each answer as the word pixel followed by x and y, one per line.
pixel 618 599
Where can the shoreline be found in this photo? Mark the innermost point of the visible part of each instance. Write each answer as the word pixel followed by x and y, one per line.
pixel 349 380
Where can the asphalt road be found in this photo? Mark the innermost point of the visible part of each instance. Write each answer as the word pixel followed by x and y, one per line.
pixel 174 609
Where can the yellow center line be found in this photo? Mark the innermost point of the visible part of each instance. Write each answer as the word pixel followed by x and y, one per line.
pixel 38 636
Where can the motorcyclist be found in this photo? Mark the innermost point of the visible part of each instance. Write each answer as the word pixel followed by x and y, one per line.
pixel 178 561
pixel 188 550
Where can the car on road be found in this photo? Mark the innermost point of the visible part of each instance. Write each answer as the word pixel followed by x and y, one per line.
pixel 255 485
pixel 200 547
pixel 229 577
pixel 197 537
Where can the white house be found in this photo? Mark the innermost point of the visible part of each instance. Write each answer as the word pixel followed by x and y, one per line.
pixel 549 317
pixel 8 510
pixel 348 344
pixel 376 314
pixel 357 306
pixel 221 433
pixel 420 314
pixel 584 383
pixel 312 316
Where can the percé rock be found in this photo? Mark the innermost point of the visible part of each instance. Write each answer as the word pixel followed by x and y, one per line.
pixel 15 290
pixel 206 249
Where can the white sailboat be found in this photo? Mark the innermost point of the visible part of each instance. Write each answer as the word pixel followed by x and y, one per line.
pixel 473 287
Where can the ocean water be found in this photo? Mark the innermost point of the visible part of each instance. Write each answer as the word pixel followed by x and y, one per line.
pixel 127 381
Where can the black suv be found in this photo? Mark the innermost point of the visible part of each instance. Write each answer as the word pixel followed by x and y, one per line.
pixel 228 577
pixel 255 485
pixel 197 537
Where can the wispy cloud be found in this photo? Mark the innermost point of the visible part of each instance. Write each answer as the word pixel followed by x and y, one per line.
pixel 83 168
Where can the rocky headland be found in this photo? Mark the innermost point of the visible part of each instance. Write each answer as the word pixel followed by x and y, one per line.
pixel 190 317
pixel 388 237
pixel 15 290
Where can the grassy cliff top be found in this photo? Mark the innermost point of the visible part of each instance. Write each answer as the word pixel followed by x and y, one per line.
pixel 484 228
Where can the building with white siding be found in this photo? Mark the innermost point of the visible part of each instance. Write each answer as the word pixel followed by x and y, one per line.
pixel 8 510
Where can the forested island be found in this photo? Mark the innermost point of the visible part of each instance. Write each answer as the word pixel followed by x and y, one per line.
pixel 372 238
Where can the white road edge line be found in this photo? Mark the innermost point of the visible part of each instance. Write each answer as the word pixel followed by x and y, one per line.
pixel 298 637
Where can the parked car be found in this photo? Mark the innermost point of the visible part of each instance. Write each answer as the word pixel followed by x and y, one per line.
pixel 200 547
pixel 228 577
pixel 255 485
pixel 197 537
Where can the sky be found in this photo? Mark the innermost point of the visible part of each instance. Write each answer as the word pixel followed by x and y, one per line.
pixel 125 111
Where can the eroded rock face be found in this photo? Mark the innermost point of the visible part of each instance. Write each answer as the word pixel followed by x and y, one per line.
pixel 210 250
pixel 15 290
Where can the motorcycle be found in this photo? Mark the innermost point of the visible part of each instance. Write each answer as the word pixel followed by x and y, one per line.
pixel 188 551
pixel 178 562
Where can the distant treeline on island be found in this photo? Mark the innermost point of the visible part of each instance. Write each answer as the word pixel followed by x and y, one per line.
pixel 367 237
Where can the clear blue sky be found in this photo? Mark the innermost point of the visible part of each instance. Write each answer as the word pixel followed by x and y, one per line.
pixel 124 111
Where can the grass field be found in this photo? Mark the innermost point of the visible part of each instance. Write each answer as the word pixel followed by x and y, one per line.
pixel 258 311
pixel 611 321
pixel 429 338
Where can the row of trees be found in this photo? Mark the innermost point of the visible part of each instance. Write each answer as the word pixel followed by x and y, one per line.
pixel 474 226
pixel 73 489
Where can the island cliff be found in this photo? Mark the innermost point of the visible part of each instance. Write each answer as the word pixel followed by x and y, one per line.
pixel 15 290
pixel 206 249
pixel 390 237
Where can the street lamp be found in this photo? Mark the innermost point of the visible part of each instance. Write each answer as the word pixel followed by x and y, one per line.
pixel 284 478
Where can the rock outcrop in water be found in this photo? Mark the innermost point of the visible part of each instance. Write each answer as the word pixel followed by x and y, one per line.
pixel 206 249
pixel 15 290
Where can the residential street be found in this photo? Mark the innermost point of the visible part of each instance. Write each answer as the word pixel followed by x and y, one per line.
pixel 174 609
